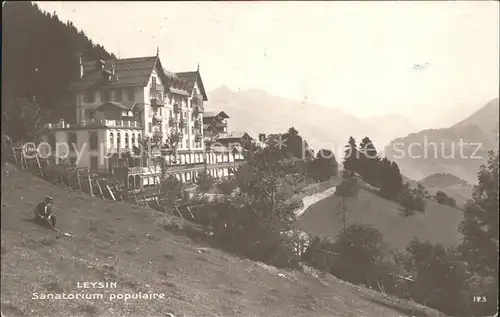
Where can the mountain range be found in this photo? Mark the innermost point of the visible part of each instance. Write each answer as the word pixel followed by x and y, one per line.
pixel 458 150
pixel 255 111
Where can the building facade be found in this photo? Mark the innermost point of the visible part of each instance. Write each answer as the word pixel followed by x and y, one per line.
pixel 120 102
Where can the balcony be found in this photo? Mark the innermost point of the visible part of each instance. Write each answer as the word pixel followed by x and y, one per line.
pixel 155 102
pixel 95 124
pixel 177 108
pixel 156 95
pixel 182 123
pixel 172 121
pixel 157 119
pixel 221 125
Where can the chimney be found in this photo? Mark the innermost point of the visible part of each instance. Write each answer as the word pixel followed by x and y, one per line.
pixel 80 63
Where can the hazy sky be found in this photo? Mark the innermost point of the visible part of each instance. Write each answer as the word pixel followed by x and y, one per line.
pixel 358 56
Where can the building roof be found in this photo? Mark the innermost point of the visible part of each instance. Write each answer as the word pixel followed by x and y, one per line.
pixel 129 72
pixel 192 78
pixel 213 114
pixel 231 135
pixel 179 92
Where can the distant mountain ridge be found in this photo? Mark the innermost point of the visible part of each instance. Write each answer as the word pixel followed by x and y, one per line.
pixel 458 150
pixel 255 111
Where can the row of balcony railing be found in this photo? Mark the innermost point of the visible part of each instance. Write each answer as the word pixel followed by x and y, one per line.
pixel 92 123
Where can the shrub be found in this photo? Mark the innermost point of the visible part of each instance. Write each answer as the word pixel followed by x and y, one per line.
pixel 440 277
pixel 441 197
pixel 359 255
pixel 227 186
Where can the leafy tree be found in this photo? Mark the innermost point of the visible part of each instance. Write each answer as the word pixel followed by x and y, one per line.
pixel 319 254
pixel 479 247
pixel 440 276
pixel 205 181
pixel 406 199
pixel 441 197
pixel 324 166
pixel 227 186
pixel 359 249
pixel 419 198
pixel 254 220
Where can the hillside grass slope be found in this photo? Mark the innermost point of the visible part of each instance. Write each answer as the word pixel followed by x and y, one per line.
pixel 118 242
pixel 438 224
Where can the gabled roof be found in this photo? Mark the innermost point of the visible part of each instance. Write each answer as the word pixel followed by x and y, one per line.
pixel 213 114
pixel 192 78
pixel 129 72
pixel 232 135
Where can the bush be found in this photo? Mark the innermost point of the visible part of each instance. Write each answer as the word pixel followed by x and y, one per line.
pixel 452 202
pixel 440 277
pixel 205 181
pixel 237 229
pixel 359 256
pixel 441 197
pixel 227 186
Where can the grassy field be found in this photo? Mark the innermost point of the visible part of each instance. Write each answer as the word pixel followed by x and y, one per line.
pixel 438 223
pixel 130 245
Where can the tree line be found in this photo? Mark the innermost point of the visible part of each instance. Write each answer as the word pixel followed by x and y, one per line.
pixel 39 61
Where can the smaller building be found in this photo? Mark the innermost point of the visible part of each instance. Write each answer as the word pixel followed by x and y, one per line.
pixel 214 123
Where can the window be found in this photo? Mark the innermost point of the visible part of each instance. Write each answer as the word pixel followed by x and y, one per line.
pixel 89 96
pixel 72 161
pixel 118 94
pixel 170 100
pixel 105 95
pixel 126 140
pixel 130 94
pixel 149 127
pixel 153 82
pixel 118 140
pixel 93 140
pixel 170 113
pixel 133 139
pixel 93 163
pixel 52 142
pixel 90 115
pixel 72 141
pixel 111 140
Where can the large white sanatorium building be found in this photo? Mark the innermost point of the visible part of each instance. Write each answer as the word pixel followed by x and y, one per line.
pixel 120 101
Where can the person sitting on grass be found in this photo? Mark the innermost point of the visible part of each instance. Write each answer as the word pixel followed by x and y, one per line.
pixel 43 213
